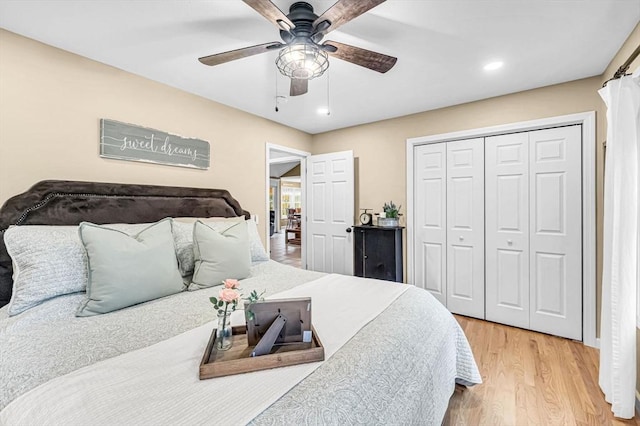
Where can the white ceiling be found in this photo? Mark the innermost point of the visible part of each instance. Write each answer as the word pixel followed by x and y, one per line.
pixel 441 46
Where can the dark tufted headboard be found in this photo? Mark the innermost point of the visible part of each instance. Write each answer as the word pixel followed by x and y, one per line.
pixel 57 202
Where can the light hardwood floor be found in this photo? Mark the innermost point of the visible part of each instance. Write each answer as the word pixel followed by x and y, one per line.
pixel 529 379
pixel 289 254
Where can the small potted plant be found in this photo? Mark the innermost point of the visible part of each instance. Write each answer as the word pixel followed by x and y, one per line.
pixel 390 215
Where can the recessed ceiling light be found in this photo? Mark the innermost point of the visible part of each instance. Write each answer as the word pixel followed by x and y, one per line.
pixel 491 66
pixel 323 111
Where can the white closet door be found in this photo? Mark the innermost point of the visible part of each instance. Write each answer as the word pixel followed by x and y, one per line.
pixel 556 227
pixel 507 229
pixel 430 187
pixel 465 227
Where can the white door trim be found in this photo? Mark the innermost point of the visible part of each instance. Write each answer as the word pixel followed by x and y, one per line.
pixel 587 120
pixel 295 154
pixel 281 160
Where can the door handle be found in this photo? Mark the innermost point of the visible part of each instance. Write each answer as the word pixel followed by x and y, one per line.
pixel 461 238
pixel 510 242
pixel 348 230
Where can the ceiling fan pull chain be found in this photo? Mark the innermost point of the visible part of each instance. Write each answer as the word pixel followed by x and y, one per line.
pixel 328 104
pixel 276 96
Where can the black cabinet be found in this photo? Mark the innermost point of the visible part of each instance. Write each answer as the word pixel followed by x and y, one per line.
pixel 378 252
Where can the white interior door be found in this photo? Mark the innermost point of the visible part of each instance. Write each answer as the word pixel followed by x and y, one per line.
pixel 430 246
pixel 465 227
pixel 330 210
pixel 555 194
pixel 507 229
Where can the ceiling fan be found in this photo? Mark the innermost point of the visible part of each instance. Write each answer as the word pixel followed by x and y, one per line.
pixel 301 56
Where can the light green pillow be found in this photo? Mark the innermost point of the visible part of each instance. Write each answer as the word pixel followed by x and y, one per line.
pixel 220 255
pixel 125 270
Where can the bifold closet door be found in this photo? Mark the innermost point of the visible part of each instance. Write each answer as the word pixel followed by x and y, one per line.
pixel 430 245
pixel 534 230
pixel 465 227
pixel 507 229
pixel 555 188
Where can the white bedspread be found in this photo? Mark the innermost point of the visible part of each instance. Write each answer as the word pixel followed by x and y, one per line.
pixel 159 384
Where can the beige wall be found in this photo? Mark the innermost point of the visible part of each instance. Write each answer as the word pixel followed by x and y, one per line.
pixel 51 102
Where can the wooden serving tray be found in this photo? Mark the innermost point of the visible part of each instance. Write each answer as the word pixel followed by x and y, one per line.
pixel 237 359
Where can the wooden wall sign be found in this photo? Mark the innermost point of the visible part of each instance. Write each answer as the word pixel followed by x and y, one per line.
pixel 124 141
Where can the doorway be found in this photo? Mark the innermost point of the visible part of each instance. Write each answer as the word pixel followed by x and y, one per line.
pixel 325 215
pixel 285 204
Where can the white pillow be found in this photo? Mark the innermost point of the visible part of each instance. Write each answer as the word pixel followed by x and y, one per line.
pixel 258 253
pixel 48 261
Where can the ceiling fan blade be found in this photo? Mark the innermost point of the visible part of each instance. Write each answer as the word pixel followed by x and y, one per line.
pixel 342 12
pixel 272 13
pixel 298 87
pixel 363 57
pixel 232 55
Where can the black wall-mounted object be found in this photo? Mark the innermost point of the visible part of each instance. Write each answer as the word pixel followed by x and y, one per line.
pixel 378 252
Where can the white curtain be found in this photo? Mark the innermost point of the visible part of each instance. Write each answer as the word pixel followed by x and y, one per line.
pixel 621 245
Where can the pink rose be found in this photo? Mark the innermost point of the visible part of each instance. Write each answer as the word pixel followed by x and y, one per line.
pixel 228 295
pixel 231 283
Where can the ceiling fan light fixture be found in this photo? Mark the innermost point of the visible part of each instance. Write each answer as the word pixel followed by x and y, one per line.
pixel 302 61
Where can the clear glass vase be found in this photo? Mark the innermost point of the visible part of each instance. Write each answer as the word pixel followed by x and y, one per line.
pixel 223 341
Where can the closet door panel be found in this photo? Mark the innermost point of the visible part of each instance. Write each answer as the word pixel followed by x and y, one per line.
pixel 556 231
pixel 507 229
pixel 465 227
pixel 430 219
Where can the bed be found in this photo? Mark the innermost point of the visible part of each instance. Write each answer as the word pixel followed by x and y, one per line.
pixel 139 365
